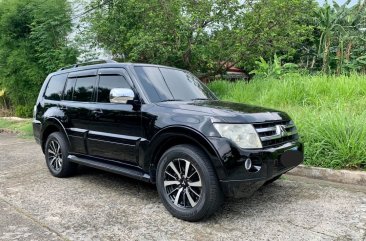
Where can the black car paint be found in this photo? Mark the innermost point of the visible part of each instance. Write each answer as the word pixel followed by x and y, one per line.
pixel 136 134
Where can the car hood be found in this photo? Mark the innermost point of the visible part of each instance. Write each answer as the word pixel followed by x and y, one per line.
pixel 223 111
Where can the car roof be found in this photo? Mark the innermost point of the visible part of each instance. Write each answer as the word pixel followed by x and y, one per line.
pixel 107 65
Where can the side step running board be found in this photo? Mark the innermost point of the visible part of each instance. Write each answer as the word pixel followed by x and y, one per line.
pixel 118 169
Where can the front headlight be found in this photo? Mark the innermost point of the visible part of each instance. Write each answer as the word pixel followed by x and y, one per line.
pixel 244 135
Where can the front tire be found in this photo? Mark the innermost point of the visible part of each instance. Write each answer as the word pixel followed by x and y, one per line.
pixel 187 183
pixel 56 152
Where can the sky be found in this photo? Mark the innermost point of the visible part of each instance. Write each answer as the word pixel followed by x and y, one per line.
pixel 338 1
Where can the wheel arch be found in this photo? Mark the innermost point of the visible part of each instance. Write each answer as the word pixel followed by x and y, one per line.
pixel 176 135
pixel 52 125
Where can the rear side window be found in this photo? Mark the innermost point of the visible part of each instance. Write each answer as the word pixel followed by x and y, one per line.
pixel 83 90
pixel 55 87
pixel 108 82
pixel 69 89
pixel 80 89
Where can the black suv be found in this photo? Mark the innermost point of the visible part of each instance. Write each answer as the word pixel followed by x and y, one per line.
pixel 162 125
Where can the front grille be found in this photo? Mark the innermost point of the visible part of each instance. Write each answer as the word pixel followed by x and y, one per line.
pixel 276 133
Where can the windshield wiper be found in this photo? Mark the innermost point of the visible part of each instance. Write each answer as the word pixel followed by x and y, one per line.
pixel 171 100
pixel 200 99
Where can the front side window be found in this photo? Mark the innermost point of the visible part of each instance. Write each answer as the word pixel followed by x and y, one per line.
pixel 184 85
pixel 108 82
pixel 55 87
pixel 153 83
pixel 168 84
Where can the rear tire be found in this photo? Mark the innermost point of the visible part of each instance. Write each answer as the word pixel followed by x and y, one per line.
pixel 187 183
pixel 56 152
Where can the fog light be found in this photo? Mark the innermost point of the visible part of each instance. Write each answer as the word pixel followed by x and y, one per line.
pixel 248 164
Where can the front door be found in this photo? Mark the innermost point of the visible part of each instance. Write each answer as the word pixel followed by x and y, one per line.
pixel 114 129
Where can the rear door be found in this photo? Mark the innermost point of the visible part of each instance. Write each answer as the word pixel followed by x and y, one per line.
pixel 114 129
pixel 78 101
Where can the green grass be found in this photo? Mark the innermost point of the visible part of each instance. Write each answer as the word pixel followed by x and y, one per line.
pixel 21 127
pixel 329 112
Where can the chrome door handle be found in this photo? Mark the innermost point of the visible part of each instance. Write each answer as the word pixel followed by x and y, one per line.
pixel 98 111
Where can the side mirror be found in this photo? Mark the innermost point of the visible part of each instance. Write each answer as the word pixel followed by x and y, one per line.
pixel 121 95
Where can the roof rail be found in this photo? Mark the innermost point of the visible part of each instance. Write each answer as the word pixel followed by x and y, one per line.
pixel 98 61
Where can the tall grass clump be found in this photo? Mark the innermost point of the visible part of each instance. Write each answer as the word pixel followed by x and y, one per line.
pixel 329 112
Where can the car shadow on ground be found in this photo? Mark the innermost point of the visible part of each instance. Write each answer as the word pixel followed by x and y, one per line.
pixel 274 197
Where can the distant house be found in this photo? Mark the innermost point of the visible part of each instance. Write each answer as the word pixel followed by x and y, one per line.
pixel 233 73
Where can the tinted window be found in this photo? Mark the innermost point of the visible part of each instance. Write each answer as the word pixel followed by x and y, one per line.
pixel 83 90
pixel 184 85
pixel 163 84
pixel 69 89
pixel 153 83
pixel 108 82
pixel 55 87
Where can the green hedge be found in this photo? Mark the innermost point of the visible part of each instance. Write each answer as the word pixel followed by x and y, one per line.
pixel 329 112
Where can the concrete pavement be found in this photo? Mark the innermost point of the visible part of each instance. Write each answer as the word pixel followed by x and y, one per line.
pixel 95 205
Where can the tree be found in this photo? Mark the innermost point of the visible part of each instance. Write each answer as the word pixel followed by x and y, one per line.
pixel 341 34
pixel 33 42
pixel 172 32
pixel 202 36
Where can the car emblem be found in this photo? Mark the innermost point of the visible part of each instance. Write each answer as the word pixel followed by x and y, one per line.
pixel 281 130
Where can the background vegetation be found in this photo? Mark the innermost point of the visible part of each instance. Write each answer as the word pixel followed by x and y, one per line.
pixel 306 59
pixel 33 43
pixel 201 36
pixel 205 37
pixel 328 111
pixel 23 127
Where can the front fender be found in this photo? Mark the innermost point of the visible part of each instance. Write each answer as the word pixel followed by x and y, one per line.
pixel 179 134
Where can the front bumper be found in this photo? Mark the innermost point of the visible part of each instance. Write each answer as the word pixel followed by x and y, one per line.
pixel 269 163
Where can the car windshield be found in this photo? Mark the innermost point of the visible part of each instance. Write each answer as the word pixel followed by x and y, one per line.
pixel 168 84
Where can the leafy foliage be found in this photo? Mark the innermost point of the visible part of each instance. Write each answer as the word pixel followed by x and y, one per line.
pixel 33 42
pixel 274 68
pixel 342 37
pixel 201 36
pixel 328 111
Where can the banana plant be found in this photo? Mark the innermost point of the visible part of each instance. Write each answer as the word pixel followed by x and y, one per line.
pixel 328 22
pixel 341 30
pixel 273 68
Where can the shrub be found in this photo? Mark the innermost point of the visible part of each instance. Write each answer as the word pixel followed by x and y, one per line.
pixel 24 111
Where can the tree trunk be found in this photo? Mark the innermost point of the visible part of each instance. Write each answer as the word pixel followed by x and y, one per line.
pixel 339 62
pixel 313 62
pixel 325 68
pixel 348 51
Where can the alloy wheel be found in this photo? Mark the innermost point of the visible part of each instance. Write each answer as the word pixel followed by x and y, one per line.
pixel 182 183
pixel 54 155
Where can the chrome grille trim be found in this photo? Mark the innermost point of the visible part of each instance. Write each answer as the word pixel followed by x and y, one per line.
pixel 260 130
pixel 276 133
pixel 268 138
